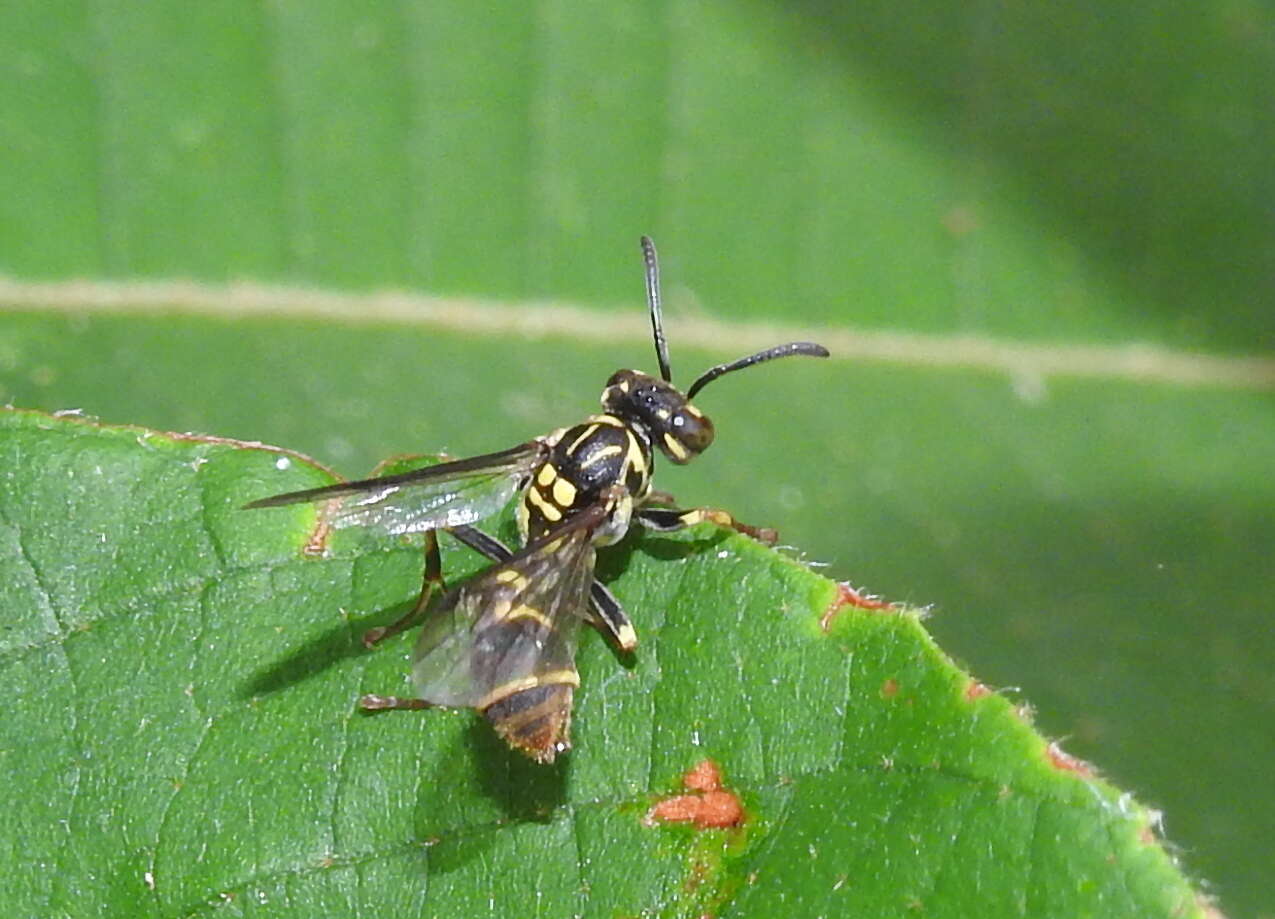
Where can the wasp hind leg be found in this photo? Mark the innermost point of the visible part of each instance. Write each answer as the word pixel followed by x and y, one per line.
pixel 668 519
pixel 374 703
pixel 431 581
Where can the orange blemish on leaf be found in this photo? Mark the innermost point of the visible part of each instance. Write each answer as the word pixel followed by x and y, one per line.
pixel 976 690
pixel 1065 762
pixel 848 596
pixel 710 810
pixel 317 544
pixel 704 776
pixel 890 688
pixel 710 806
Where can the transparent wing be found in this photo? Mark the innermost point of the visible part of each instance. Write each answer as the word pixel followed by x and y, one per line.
pixel 446 495
pixel 511 628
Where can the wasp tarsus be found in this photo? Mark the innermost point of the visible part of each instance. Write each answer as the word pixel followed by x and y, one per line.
pixel 503 642
pixel 374 703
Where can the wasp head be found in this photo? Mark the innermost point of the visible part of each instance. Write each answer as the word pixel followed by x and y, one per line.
pixel 658 409
pixel 681 431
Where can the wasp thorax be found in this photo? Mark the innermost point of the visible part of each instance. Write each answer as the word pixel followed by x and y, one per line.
pixel 679 429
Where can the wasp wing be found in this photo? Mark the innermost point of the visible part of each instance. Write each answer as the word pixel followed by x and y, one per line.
pixel 446 495
pixel 511 629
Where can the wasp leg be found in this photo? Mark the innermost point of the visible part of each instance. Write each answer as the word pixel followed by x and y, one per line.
pixel 661 498
pixel 432 581
pixel 375 703
pixel 608 616
pixel 479 541
pixel 668 519
pixel 605 612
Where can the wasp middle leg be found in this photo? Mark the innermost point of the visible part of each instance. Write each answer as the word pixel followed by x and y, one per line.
pixel 431 581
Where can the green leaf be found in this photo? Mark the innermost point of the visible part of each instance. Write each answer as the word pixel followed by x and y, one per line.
pixel 1036 237
pixel 182 679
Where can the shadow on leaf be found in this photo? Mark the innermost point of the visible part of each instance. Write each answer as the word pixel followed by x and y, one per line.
pixel 522 790
pixel 319 654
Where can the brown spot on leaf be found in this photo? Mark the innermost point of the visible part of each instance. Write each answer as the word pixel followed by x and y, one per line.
pixel 890 688
pixel 1065 762
pixel 709 810
pixel 848 596
pixel 704 776
pixel 710 806
pixel 317 544
pixel 976 690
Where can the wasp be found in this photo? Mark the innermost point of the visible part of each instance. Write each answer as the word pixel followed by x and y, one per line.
pixel 504 641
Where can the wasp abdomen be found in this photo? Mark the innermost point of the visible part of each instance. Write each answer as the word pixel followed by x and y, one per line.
pixel 535 721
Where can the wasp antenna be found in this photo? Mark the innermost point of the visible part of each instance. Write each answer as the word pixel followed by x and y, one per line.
pixel 653 298
pixel 808 348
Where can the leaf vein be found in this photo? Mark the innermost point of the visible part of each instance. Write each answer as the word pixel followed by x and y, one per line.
pixel 47 604
pixel 141 601
pixel 172 798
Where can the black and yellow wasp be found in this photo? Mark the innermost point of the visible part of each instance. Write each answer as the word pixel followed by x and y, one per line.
pixel 504 641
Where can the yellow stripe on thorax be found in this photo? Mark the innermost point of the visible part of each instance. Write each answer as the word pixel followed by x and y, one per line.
pixel 610 421
pixel 564 493
pixel 585 435
pixel 636 457
pixel 547 508
pixel 600 455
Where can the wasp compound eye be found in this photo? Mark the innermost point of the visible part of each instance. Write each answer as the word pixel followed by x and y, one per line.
pixel 688 434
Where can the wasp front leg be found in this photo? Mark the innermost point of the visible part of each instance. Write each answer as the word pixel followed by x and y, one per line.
pixel 668 519
pixel 431 581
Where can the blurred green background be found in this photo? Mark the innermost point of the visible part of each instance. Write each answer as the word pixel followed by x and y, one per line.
pixel 1071 175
